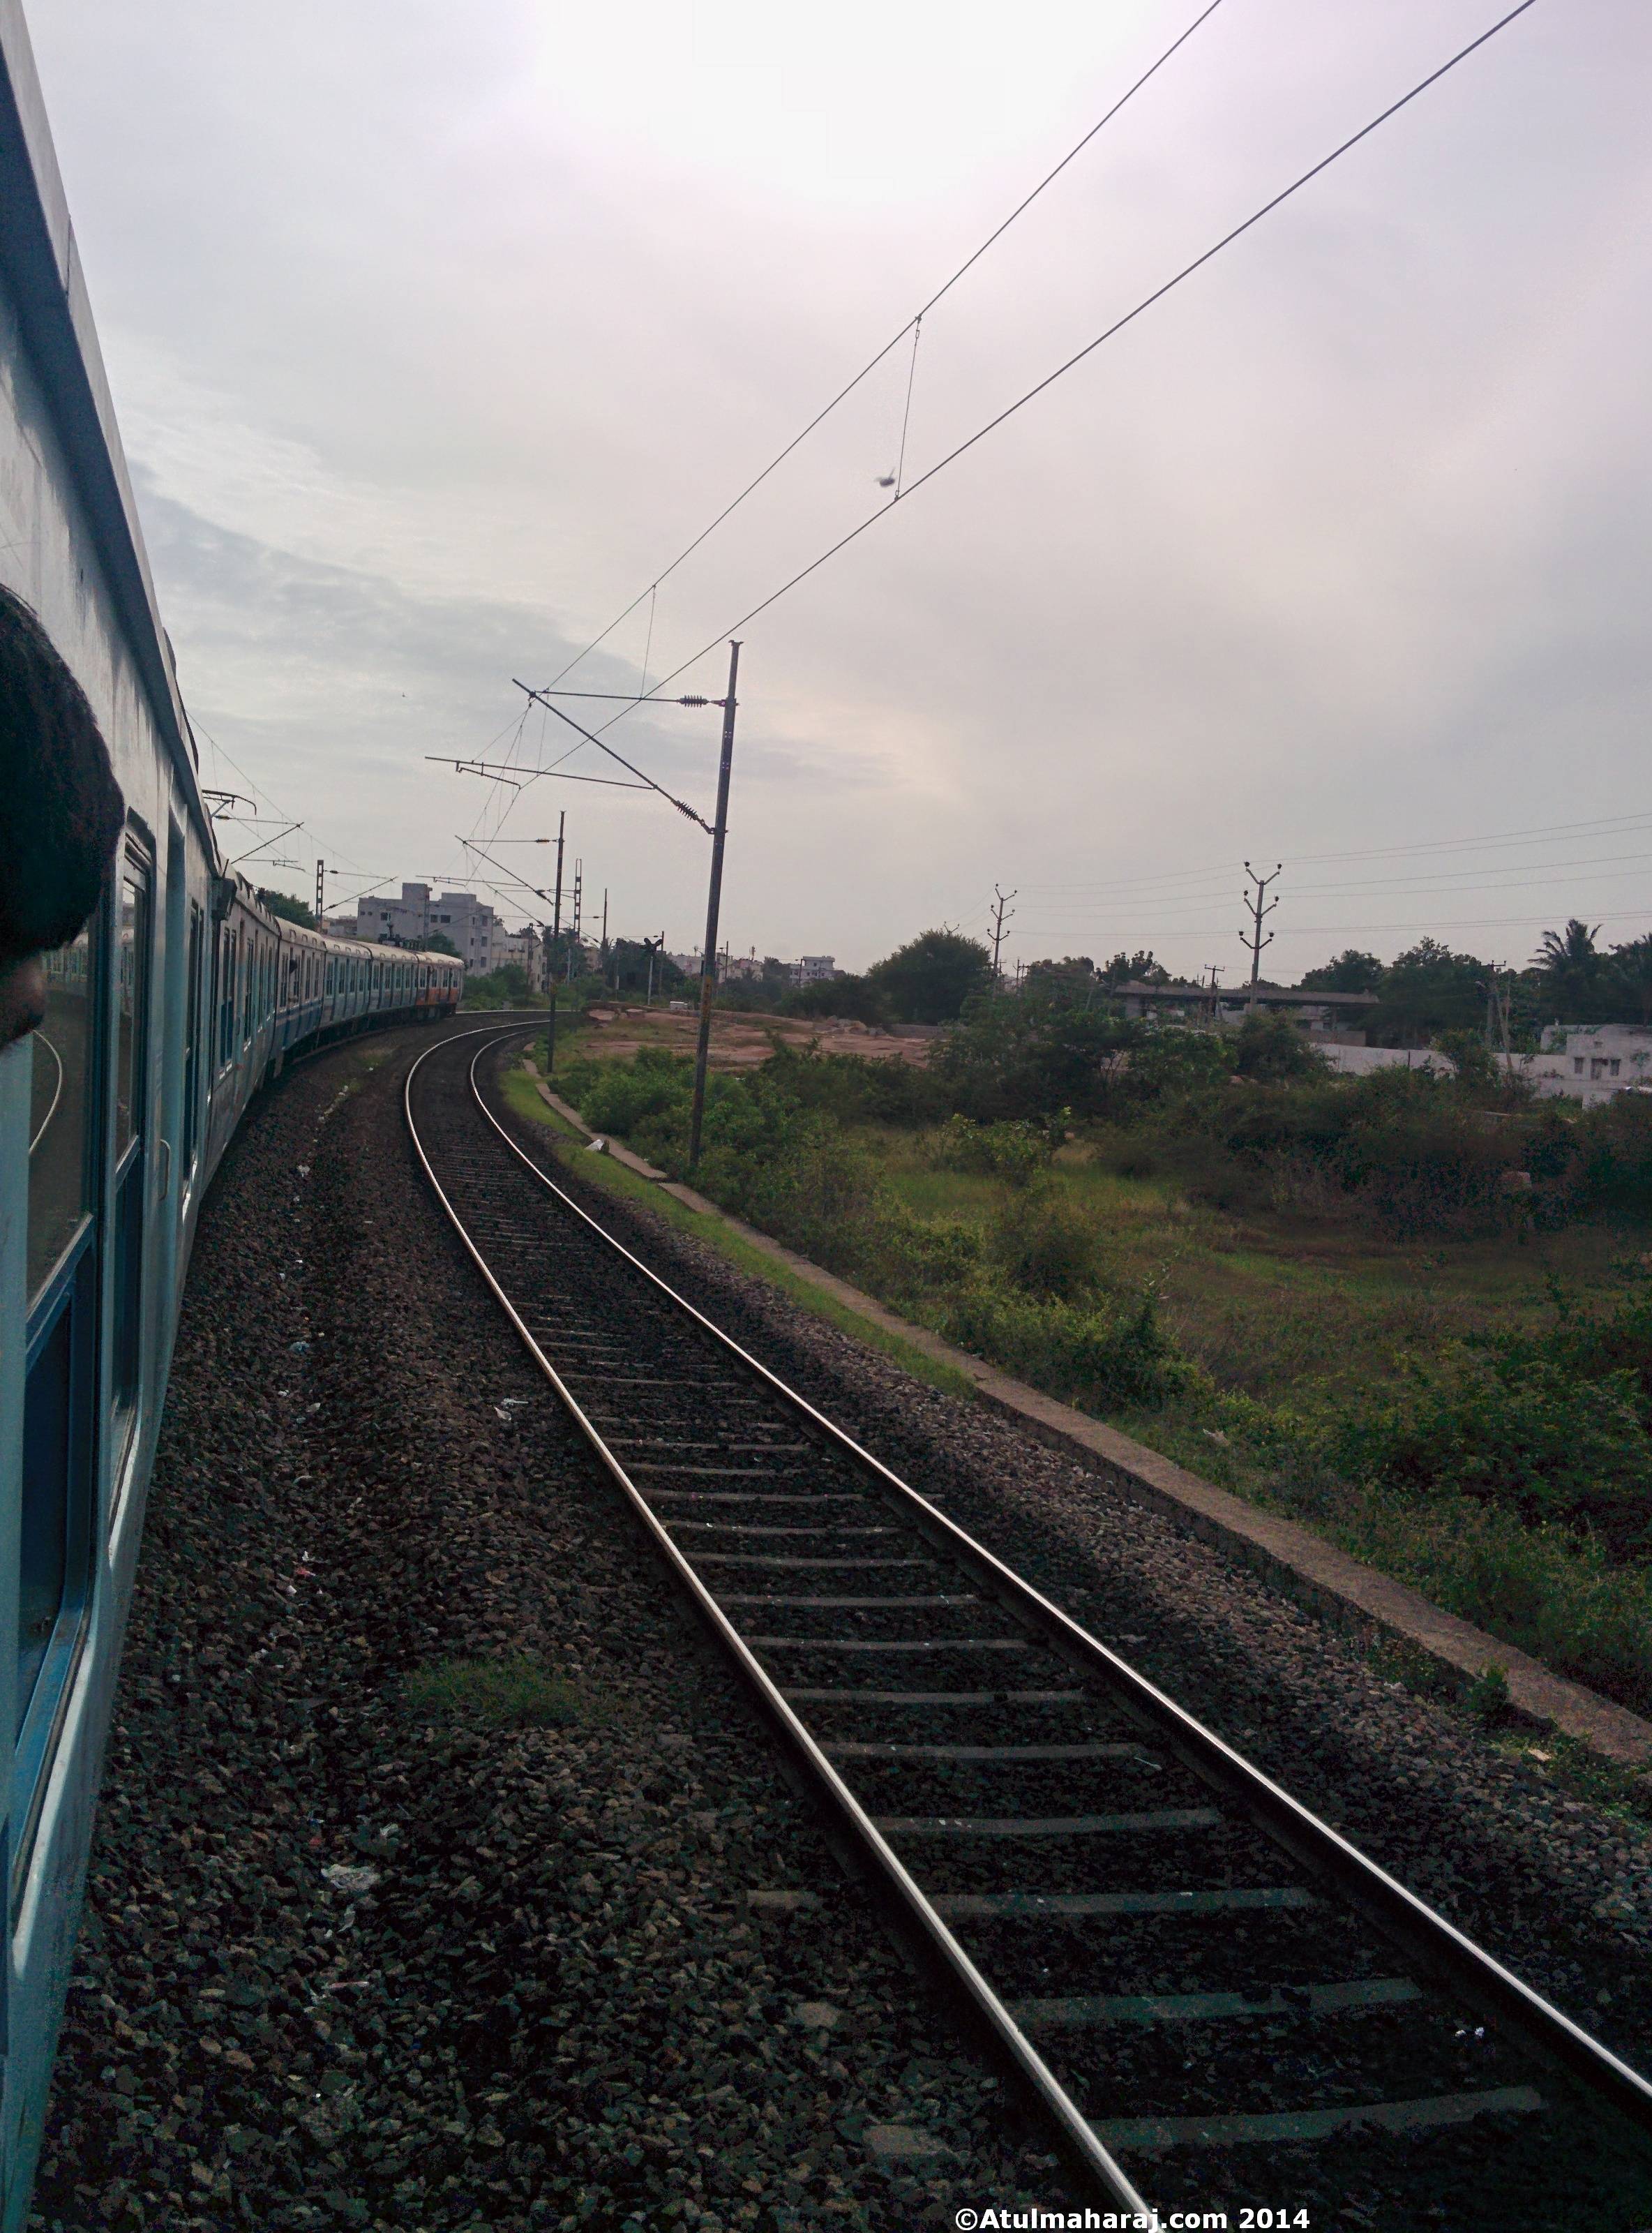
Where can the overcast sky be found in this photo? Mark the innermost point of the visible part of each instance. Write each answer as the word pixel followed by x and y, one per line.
pixel 437 331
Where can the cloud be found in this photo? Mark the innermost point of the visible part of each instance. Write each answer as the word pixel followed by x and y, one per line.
pixel 436 336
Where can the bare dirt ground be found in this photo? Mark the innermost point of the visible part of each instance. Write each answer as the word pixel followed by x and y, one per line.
pixel 741 1041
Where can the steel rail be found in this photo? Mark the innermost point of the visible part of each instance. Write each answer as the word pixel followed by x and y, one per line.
pixel 1441 1949
pixel 940 1950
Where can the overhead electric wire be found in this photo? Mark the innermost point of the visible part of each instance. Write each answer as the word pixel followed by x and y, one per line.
pixel 1532 835
pixel 1517 876
pixel 1107 334
pixel 1344 930
pixel 894 342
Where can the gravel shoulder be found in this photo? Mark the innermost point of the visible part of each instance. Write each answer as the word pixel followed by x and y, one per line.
pixel 1559 1887
pixel 358 1952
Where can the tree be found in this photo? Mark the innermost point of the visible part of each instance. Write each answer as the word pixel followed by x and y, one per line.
pixel 1272 1049
pixel 1040 1054
pixel 437 942
pixel 1137 969
pixel 628 967
pixel 857 997
pixel 288 910
pixel 928 979
pixel 1073 973
pixel 1571 972
pixel 1630 972
pixel 1428 990
pixel 1351 971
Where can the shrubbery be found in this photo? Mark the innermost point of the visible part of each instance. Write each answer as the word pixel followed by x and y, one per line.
pixel 1025 1294
pixel 1107 1360
pixel 1546 1431
pixel 1014 1151
pixel 1553 1427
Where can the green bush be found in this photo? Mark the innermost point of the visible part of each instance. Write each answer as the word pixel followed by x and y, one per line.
pixel 1540 1589
pixel 1046 1245
pixel 620 1097
pixel 855 1089
pixel 1610 1162
pixel 1271 1048
pixel 1013 1150
pixel 1525 1433
pixel 1106 1362
pixel 1044 1051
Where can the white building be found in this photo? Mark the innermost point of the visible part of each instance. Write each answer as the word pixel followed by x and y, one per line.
pixel 1361 1061
pixel 527 949
pixel 1590 1062
pixel 468 924
pixel 814 969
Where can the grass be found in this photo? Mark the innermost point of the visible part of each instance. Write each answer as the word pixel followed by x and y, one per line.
pixel 521 1096
pixel 1295 1321
pixel 1284 1310
pixel 1309 1317
pixel 494 1693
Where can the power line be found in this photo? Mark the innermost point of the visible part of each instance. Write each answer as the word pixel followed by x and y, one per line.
pixel 1569 833
pixel 1347 929
pixel 1513 878
pixel 894 342
pixel 1107 334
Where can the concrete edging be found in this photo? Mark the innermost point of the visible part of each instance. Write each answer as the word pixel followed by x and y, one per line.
pixel 1340 1589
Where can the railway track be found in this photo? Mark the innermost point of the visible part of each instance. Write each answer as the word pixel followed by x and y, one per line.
pixel 1207 1995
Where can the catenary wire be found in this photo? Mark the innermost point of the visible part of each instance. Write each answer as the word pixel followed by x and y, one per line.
pixel 1107 334
pixel 894 342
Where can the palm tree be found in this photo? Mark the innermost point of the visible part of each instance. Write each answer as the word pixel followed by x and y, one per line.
pixel 1571 967
pixel 1631 970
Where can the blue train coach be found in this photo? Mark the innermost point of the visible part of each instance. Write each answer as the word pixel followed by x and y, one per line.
pixel 134 1027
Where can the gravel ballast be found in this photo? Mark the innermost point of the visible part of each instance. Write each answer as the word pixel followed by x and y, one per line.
pixel 357 1956
pixel 349 1960
pixel 1557 1887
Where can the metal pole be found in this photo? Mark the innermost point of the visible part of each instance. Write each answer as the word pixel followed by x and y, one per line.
pixel 320 891
pixel 556 933
pixel 714 900
pixel 1253 937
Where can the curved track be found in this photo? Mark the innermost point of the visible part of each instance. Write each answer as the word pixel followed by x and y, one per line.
pixel 1203 1990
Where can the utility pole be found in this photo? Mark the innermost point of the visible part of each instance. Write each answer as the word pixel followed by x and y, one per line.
pixel 579 885
pixel 999 919
pixel 556 934
pixel 1215 969
pixel 1497 1015
pixel 1253 938
pixel 713 902
pixel 320 891
pixel 605 933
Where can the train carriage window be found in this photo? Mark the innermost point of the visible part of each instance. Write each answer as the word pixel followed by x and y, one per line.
pixel 227 959
pixel 59 1187
pixel 192 1008
pixel 59 1408
pixel 131 1122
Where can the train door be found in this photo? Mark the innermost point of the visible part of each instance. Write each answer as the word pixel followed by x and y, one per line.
pixel 131 1145
pixel 60 1407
